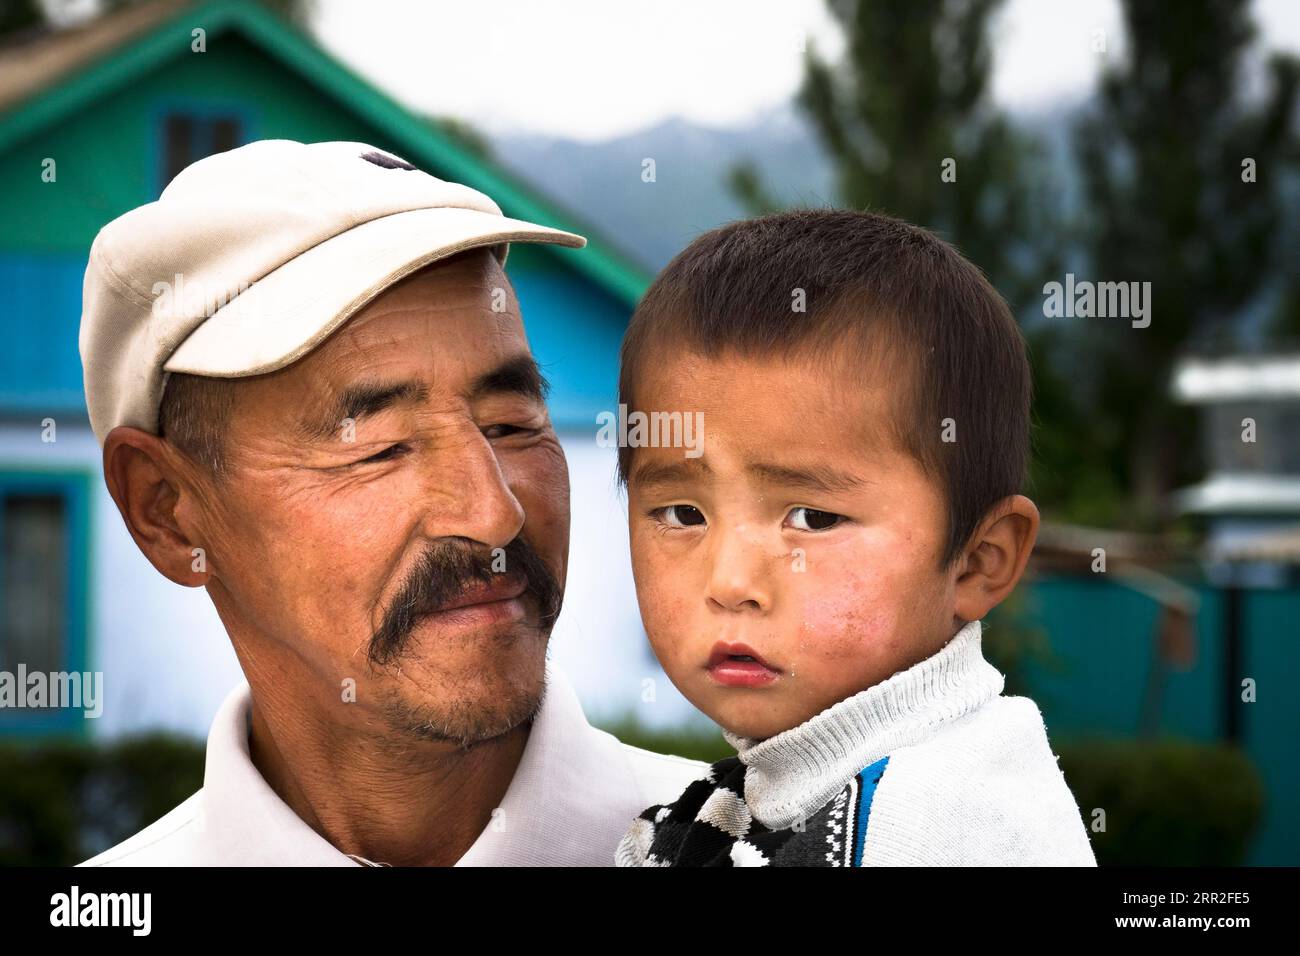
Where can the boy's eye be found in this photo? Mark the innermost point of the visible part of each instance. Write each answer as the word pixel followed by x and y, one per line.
pixel 809 519
pixel 680 516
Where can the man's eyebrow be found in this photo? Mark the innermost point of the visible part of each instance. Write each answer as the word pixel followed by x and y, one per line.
pixel 815 478
pixel 649 473
pixel 359 400
pixel 519 375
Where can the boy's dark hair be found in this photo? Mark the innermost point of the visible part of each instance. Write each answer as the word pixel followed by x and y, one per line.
pixel 878 286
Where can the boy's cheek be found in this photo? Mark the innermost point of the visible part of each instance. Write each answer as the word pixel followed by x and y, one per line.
pixel 662 596
pixel 847 587
pixel 854 619
pixel 847 617
pixel 669 637
pixel 861 650
pixel 651 572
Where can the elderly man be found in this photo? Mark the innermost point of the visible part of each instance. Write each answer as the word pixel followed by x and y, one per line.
pixel 310 378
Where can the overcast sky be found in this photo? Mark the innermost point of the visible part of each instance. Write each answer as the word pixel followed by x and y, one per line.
pixel 591 69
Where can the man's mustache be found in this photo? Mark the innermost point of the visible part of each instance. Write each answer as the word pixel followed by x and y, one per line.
pixel 445 572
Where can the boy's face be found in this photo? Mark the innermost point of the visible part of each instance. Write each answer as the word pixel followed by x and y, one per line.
pixel 796 561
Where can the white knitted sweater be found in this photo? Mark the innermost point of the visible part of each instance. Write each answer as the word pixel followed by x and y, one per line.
pixel 970 779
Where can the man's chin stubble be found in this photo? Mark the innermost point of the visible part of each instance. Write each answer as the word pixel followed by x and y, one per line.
pixel 463 723
pixel 466 723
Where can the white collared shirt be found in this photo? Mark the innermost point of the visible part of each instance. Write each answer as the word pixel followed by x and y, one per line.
pixel 575 792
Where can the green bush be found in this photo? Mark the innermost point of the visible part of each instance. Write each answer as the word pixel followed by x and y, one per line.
pixel 1167 802
pixel 62 802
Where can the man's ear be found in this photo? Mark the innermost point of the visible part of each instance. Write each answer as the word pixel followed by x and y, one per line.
pixel 143 477
pixel 996 557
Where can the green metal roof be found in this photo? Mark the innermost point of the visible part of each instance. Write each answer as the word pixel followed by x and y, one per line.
pixel 421 143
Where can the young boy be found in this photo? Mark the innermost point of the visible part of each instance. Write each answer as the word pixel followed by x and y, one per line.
pixel 814 576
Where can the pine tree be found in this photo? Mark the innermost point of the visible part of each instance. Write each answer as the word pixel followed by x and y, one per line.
pixel 1181 178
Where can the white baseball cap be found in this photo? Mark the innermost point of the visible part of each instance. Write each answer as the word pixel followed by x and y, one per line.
pixel 251 258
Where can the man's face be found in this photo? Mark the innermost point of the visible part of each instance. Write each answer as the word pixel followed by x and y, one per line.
pixel 397 513
pixel 795 562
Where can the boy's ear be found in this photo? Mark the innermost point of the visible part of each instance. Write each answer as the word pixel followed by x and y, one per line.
pixel 996 557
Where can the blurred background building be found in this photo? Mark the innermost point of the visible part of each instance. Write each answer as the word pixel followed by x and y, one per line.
pixel 1158 630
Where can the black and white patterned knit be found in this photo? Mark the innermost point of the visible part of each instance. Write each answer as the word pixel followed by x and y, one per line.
pixel 930 767
pixel 710 825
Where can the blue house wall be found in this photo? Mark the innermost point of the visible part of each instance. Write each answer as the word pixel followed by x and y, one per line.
pixel 1103 649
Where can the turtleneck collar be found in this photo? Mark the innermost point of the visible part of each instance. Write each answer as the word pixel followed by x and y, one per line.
pixel 793 774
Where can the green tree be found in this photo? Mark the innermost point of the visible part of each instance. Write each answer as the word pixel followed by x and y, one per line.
pixel 1165 154
pixel 17 16
pixel 909 102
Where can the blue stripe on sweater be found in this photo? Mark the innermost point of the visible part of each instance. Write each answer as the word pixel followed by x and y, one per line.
pixel 867 781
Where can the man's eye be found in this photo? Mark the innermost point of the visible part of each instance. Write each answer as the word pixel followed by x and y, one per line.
pixel 504 431
pixel 808 519
pixel 392 451
pixel 679 516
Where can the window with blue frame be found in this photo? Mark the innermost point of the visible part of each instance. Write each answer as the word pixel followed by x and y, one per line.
pixel 188 137
pixel 43 589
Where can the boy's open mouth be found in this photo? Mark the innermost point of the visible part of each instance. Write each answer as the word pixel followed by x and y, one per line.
pixel 739 665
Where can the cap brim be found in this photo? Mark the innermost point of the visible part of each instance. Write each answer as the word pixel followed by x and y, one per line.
pixel 291 310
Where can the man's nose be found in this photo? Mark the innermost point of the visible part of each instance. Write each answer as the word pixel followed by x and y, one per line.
pixel 740 576
pixel 468 495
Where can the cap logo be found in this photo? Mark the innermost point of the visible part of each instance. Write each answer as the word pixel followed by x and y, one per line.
pixel 386 161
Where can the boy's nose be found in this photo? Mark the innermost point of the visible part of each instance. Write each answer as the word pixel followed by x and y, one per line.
pixel 739 580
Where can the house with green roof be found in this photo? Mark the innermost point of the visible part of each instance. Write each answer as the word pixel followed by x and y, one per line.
pixel 95 120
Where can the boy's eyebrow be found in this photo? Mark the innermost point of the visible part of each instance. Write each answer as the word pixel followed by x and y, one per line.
pixel 817 478
pixel 665 473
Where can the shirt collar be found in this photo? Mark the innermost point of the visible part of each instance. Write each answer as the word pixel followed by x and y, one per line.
pixel 570 800
pixel 793 774
pixel 572 797
pixel 245 819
